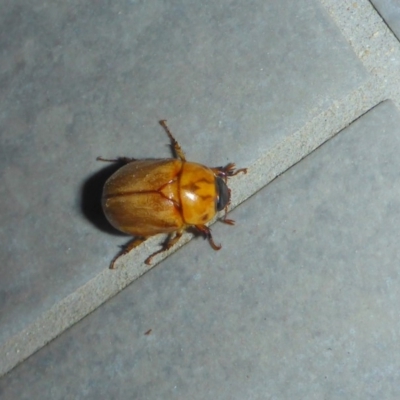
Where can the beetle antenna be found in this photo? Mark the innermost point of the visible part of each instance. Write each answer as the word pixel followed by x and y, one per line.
pixel 177 148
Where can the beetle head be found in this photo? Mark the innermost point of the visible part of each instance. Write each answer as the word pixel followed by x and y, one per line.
pixel 224 194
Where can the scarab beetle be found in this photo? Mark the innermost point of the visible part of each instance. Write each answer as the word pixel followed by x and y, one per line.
pixel 147 197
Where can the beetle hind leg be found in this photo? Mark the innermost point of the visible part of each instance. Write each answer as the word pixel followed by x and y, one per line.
pixel 171 241
pixel 177 148
pixel 126 249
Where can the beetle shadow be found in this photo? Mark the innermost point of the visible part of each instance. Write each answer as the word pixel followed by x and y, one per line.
pixel 91 192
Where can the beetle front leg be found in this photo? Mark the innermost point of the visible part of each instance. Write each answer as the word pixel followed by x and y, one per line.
pixel 178 150
pixel 206 231
pixel 227 221
pixel 171 241
pixel 131 245
pixel 228 171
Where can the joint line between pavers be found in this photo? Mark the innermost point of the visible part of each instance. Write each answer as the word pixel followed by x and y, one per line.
pixel 372 41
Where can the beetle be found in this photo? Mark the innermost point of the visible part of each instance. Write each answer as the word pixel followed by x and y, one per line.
pixel 147 197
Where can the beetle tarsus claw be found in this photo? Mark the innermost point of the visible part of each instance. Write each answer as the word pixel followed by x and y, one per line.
pixel 228 171
pixel 213 245
pixel 206 231
pixel 239 171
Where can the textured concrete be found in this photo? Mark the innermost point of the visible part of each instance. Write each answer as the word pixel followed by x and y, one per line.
pixel 82 80
pixel 262 85
pixel 303 304
pixel 390 12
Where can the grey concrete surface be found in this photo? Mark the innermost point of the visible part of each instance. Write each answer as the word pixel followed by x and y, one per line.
pixel 304 303
pixel 390 12
pixel 261 84
pixel 82 80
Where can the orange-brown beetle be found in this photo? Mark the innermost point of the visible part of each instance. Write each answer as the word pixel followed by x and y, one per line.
pixel 151 196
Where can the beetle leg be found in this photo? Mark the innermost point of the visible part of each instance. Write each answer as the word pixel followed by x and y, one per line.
pixel 228 170
pixel 166 246
pixel 131 245
pixel 228 221
pixel 206 231
pixel 122 160
pixel 178 150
